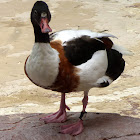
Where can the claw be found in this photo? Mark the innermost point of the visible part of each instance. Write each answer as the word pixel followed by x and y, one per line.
pixel 67 107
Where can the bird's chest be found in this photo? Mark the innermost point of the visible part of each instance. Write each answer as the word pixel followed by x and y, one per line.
pixel 42 68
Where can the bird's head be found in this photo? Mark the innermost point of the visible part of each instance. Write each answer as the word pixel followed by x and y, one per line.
pixel 41 16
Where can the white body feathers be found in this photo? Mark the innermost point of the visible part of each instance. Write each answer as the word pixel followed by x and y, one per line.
pixel 43 64
pixel 92 70
pixel 67 35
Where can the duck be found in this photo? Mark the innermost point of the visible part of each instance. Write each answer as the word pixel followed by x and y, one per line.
pixel 71 61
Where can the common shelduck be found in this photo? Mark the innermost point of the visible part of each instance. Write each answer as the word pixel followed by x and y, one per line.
pixel 69 61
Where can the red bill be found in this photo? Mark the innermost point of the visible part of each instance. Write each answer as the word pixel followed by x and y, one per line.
pixel 45 28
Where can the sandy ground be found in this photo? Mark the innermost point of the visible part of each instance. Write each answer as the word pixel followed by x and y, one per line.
pixel 120 17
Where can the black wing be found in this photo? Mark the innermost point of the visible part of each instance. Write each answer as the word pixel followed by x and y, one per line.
pixel 80 50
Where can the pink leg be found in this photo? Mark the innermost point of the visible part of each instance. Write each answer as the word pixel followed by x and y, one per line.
pixel 59 116
pixel 76 128
pixel 85 102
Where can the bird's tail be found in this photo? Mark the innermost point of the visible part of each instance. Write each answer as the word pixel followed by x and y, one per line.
pixel 122 50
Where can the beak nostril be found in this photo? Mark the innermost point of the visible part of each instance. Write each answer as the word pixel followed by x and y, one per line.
pixel 42 25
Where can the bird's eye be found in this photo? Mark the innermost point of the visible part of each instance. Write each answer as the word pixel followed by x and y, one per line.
pixel 43 14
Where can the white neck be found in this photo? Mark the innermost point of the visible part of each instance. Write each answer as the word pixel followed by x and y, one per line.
pixel 43 48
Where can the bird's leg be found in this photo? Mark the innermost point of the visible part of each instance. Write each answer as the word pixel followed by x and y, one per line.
pixel 60 115
pixel 85 102
pixel 76 128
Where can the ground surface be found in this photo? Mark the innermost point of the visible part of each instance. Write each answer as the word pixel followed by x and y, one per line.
pixel 97 127
pixel 18 95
